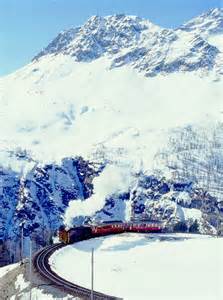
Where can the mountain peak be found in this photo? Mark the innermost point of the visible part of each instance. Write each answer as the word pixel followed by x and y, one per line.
pixel 210 22
pixel 116 17
pixel 130 40
pixel 215 12
pixel 99 35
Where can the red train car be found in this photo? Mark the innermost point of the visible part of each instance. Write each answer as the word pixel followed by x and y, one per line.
pixel 152 227
pixel 105 228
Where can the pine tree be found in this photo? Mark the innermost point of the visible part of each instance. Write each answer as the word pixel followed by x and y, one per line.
pixel 194 228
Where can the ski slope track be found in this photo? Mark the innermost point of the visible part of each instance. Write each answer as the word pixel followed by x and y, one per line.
pixel 41 263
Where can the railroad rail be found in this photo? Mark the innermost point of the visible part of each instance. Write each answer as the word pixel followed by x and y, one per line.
pixel 41 263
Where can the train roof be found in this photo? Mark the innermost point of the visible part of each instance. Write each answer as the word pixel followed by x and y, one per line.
pixel 129 222
pixel 117 222
pixel 146 221
pixel 112 221
pixel 77 227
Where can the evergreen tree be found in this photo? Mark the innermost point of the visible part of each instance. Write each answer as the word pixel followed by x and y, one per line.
pixel 180 227
pixel 194 228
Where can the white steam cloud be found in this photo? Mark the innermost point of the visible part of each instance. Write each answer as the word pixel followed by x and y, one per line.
pixel 114 179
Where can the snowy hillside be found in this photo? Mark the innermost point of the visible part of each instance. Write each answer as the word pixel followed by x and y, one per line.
pixel 117 91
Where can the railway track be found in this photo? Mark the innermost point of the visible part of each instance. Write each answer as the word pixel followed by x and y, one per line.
pixel 41 263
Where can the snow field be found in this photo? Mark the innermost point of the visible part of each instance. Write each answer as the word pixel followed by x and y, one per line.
pixel 85 105
pixel 140 266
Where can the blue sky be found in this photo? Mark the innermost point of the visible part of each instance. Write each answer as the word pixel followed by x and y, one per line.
pixel 26 26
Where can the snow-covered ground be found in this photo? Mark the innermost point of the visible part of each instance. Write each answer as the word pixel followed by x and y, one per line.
pixel 6 269
pixel 140 266
pixel 15 284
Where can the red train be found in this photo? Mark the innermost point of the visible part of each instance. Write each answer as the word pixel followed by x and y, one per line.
pixel 80 233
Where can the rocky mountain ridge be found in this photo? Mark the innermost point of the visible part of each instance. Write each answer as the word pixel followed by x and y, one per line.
pixel 210 22
pixel 36 203
pixel 150 49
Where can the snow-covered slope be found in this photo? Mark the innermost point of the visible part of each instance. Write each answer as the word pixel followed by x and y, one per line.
pixel 78 102
pixel 209 26
pixel 136 266
pixel 72 91
pixel 86 94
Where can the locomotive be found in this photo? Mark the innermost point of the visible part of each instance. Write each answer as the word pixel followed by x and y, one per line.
pixel 85 232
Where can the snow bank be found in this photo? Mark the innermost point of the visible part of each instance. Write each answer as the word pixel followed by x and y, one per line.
pixel 6 269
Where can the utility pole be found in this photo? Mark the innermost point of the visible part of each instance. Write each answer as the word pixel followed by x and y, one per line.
pixel 9 249
pixel 21 200
pixel 30 267
pixel 22 243
pixel 92 274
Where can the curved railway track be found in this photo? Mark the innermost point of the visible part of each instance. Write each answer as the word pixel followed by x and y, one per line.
pixel 41 263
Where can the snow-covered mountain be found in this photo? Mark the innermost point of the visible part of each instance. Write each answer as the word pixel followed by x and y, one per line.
pixel 129 40
pixel 120 91
pixel 209 23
